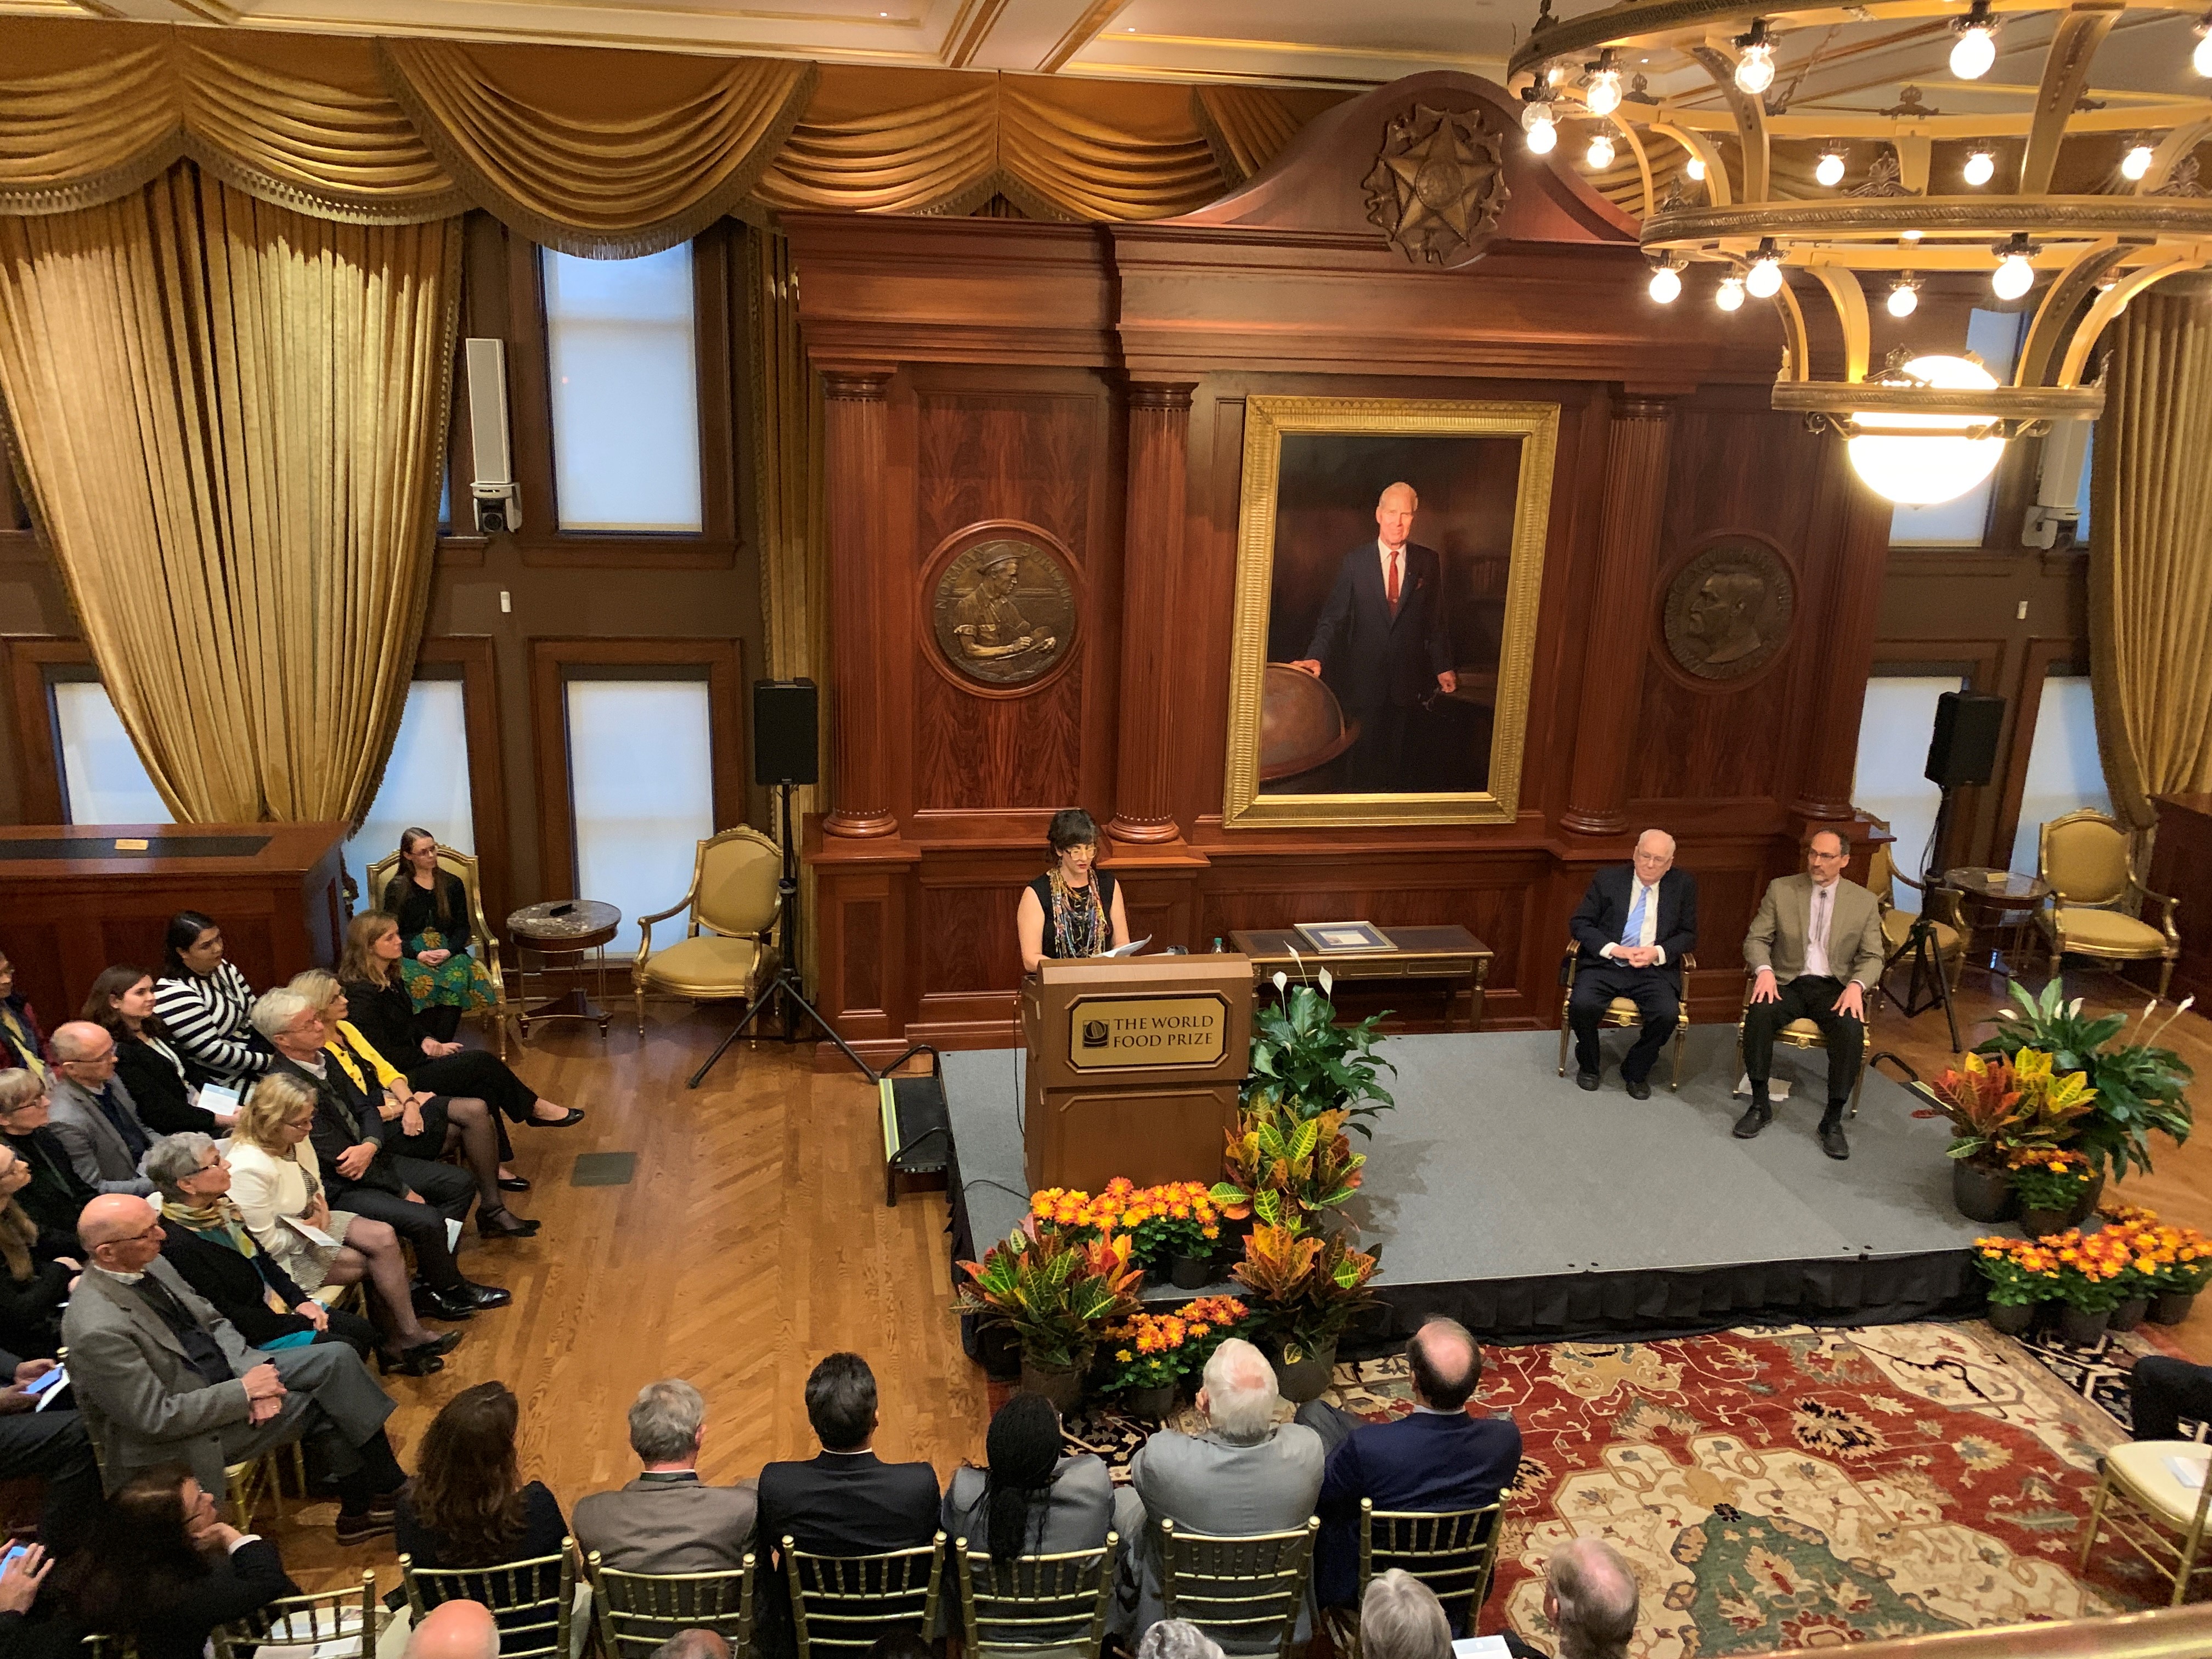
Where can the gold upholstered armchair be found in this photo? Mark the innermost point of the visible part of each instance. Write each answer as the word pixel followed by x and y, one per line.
pixel 1939 904
pixel 728 950
pixel 2084 858
pixel 485 945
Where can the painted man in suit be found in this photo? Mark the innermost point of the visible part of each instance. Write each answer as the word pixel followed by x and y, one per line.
pixel 1815 949
pixel 668 1520
pixel 94 1116
pixel 1632 928
pixel 1383 641
pixel 161 1377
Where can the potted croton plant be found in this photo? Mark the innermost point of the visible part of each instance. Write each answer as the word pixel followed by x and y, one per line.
pixel 2001 1110
pixel 1057 1291
pixel 1307 1288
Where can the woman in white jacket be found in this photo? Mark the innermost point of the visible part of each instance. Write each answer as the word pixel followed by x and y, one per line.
pixel 276 1180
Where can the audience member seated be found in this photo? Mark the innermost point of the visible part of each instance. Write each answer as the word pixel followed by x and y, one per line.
pixel 205 1004
pixel 421 1125
pixel 56 1194
pixel 668 1520
pixel 121 1003
pixel 24 1634
pixel 432 908
pixel 163 1567
pixel 364 1174
pixel 163 1377
pixel 455 1630
pixel 1400 1618
pixel 1590 1598
pixel 39 1269
pixel 847 1501
pixel 387 1015
pixel 1246 1474
pixel 22 1046
pixel 1438 1458
pixel 91 1114
pixel 2163 1391
pixel 1177 1639
pixel 204 1238
pixel 1030 1500
pixel 276 1182
pixel 51 1444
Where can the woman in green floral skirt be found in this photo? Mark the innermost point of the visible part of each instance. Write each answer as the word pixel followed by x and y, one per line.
pixel 432 907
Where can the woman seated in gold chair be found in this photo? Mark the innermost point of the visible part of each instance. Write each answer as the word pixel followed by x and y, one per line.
pixel 1074 908
pixel 432 908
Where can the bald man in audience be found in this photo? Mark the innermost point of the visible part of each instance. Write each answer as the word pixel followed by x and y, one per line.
pixel 455 1630
pixel 1590 1598
pixel 1438 1458
pixel 91 1114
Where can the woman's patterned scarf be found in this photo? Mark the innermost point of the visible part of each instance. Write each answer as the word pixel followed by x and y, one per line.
pixel 1081 924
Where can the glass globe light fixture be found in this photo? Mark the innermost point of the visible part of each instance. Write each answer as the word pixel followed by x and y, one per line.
pixel 1730 295
pixel 1604 95
pixel 1904 296
pixel 1918 460
pixel 1543 137
pixel 1666 285
pixel 1975 50
pixel 2013 277
pixel 1599 155
pixel 1830 172
pixel 2137 162
pixel 1981 168
pixel 1764 280
pixel 1755 70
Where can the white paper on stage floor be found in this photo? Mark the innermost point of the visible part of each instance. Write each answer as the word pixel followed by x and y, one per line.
pixel 1131 948
pixel 2190 1471
pixel 1480 1647
pixel 313 1234
pixel 1777 1088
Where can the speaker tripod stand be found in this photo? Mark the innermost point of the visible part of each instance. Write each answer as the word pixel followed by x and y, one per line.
pixel 1926 986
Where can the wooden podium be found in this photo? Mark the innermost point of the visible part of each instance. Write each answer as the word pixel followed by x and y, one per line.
pixel 1133 1069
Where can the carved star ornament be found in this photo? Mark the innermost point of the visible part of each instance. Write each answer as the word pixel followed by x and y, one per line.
pixel 1437 184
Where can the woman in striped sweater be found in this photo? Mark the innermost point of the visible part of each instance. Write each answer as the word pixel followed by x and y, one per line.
pixel 203 1002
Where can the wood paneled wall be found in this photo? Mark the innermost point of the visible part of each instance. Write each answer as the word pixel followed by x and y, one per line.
pixel 1077 381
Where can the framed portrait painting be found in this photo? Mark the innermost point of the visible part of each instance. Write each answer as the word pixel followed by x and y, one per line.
pixel 1389 559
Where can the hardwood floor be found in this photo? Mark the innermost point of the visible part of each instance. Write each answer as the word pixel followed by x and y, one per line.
pixel 754 1239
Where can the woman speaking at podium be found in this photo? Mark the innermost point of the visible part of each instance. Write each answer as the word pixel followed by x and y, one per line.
pixel 1074 908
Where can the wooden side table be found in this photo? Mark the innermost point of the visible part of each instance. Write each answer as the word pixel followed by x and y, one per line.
pixel 583 925
pixel 1998 904
pixel 1448 953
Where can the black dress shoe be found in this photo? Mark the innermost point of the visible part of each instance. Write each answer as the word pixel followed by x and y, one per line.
pixel 1756 1116
pixel 572 1115
pixel 487 1296
pixel 435 1304
pixel 1831 1137
pixel 421 1361
pixel 503 1223
pixel 360 1528
pixel 514 1184
pixel 1586 1079
pixel 1638 1088
pixel 464 1300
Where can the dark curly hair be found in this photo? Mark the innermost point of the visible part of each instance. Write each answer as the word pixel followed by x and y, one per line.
pixel 466 1487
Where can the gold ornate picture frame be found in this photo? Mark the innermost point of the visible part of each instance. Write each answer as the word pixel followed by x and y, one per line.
pixel 1353 702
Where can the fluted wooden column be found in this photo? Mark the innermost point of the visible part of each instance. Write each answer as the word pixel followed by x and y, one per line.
pixel 1611 699
pixel 1846 631
pixel 1152 560
pixel 855 442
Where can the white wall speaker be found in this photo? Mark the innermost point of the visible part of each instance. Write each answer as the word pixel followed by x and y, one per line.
pixel 497 501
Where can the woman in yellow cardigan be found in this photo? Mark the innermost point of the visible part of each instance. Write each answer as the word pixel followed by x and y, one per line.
pixel 429 1125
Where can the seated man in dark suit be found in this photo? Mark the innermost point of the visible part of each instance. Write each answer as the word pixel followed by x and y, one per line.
pixel 2163 1391
pixel 1438 1458
pixel 668 1520
pixel 1632 927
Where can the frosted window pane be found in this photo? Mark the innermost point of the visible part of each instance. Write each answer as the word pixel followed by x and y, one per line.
pixel 2063 771
pixel 1994 337
pixel 1893 732
pixel 103 780
pixel 625 377
pixel 426 782
pixel 642 787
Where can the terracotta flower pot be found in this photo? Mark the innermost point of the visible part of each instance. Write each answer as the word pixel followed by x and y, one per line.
pixel 1192 1272
pixel 2011 1318
pixel 2041 1223
pixel 1061 1384
pixel 2172 1308
pixel 2128 1315
pixel 1981 1193
pixel 2079 1328
pixel 1307 1377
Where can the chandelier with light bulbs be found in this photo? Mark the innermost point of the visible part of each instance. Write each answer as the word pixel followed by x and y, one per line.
pixel 2094 195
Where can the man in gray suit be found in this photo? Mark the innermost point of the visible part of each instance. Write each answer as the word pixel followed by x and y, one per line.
pixel 1246 1474
pixel 667 1520
pixel 161 1377
pixel 93 1114
pixel 1815 951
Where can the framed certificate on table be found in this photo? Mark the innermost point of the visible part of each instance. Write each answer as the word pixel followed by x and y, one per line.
pixel 1340 938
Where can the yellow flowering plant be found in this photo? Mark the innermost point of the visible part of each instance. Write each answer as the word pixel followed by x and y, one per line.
pixel 2049 1178
pixel 1177 1219
pixel 2020 1271
pixel 1157 1349
pixel 2169 1259
pixel 2095 1272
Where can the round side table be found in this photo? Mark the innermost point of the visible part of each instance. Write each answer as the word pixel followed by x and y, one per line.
pixel 581 925
pixel 1998 904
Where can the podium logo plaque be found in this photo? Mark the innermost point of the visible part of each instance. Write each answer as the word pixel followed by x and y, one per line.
pixel 1117 1033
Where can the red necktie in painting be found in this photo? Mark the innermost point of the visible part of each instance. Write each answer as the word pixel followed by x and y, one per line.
pixel 1390 587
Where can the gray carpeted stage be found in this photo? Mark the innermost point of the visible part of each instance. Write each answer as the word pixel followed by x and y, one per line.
pixel 1507 1198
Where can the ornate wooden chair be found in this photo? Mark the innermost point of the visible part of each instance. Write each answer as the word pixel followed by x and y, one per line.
pixel 840 1604
pixel 1622 1013
pixel 534 1600
pixel 2084 857
pixel 728 951
pixel 1241 1591
pixel 2142 1500
pixel 638 1611
pixel 343 1623
pixel 485 944
pixel 1037 1606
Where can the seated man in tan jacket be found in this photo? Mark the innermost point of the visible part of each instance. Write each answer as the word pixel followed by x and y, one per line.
pixel 666 1520
pixel 1816 949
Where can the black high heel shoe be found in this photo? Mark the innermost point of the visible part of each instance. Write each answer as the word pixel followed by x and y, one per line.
pixel 503 1223
pixel 571 1115
pixel 422 1361
pixel 514 1184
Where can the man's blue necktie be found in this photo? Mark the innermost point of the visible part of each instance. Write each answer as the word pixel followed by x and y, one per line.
pixel 1633 933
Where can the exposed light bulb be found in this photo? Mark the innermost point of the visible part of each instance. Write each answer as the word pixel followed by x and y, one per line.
pixel 1755 70
pixel 2201 59
pixel 1975 50
pixel 1543 137
pixel 1908 236
pixel 2013 277
pixel 1600 154
pixel 1730 296
pixel 1696 170
pixel 1666 285
pixel 1554 75
pixel 1830 172
pixel 1604 95
pixel 1921 459
pixel 2136 162
pixel 1904 297
pixel 1981 168
pixel 1765 280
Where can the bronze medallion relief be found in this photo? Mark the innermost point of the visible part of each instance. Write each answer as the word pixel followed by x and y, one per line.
pixel 1437 184
pixel 1729 609
pixel 1004 612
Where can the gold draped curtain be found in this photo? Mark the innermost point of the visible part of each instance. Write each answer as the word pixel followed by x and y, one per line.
pixel 232 417
pixel 2150 552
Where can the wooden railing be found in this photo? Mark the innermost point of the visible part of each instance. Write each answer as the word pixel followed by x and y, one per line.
pixel 2168 1633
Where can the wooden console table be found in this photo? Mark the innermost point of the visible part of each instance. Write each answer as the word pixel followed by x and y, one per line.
pixel 1450 953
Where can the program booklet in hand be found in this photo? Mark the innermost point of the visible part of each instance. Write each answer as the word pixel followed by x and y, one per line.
pixel 313 1234
pixel 221 1100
